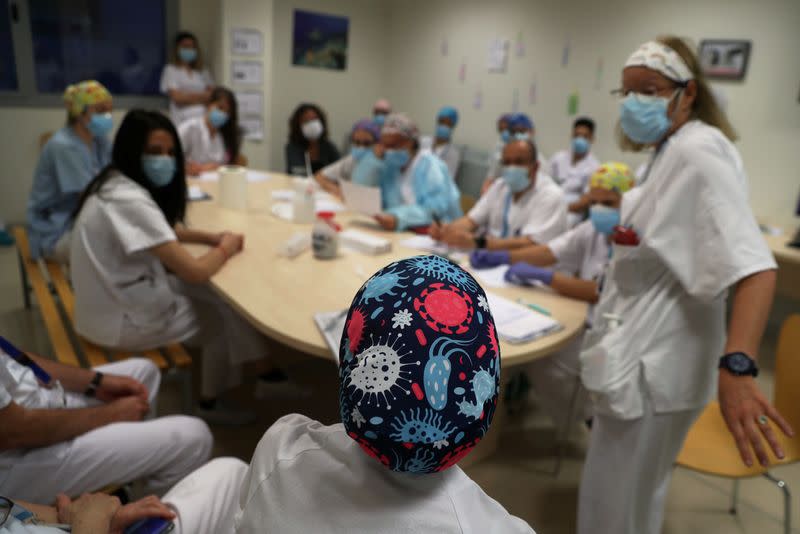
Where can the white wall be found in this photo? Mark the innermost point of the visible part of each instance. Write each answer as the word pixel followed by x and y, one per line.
pixel 347 95
pixel 764 108
pixel 20 128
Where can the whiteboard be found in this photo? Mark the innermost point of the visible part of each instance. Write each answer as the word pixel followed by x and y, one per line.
pixel 246 42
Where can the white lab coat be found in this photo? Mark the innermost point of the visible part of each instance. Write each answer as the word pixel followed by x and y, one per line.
pixel 306 477
pixel 573 179
pixel 341 169
pixel 199 145
pixel 538 215
pixel 658 361
pixel 451 155
pixel 195 81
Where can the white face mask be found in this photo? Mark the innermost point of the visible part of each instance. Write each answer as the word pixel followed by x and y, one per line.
pixel 312 130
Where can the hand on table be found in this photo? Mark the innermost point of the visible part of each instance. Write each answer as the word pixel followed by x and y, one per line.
pixel 452 235
pixel 747 413
pixel 485 259
pixel 387 222
pixel 114 387
pixel 231 243
pixel 522 272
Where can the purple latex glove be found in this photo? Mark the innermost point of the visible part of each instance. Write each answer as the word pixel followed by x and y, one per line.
pixel 522 272
pixel 484 259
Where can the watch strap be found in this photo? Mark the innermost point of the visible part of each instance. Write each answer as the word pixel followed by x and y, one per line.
pixel 91 390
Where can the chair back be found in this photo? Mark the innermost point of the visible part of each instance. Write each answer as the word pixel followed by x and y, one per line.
pixel 787 371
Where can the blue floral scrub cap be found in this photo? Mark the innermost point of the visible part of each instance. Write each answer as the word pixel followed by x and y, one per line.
pixel 419 365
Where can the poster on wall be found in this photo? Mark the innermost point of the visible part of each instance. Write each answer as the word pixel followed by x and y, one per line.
pixel 246 42
pixel 320 40
pixel 724 59
pixel 498 55
pixel 247 72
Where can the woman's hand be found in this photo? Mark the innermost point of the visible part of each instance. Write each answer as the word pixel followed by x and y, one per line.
pixel 193 169
pixel 114 387
pixel 91 513
pixel 387 222
pixel 231 243
pixel 747 414
pixel 144 508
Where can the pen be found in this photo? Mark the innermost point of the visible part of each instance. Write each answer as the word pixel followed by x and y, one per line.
pixel 535 307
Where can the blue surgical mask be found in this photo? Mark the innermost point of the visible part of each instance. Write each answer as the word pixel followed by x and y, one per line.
pixel 522 136
pixel 160 170
pixel 359 152
pixel 604 219
pixel 396 158
pixel 443 131
pixel 217 117
pixel 100 124
pixel 516 177
pixel 379 119
pixel 644 117
pixel 187 55
pixel 505 136
pixel 580 145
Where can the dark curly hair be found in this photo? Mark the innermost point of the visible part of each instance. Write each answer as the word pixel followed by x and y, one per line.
pixel 295 132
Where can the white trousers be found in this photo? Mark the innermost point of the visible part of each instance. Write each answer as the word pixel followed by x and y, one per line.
pixel 207 500
pixel 627 471
pixel 556 379
pixel 159 451
pixel 204 320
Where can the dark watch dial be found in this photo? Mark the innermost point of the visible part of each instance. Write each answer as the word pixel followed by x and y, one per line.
pixel 739 363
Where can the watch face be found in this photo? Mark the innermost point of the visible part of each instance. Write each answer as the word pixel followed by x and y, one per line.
pixel 739 363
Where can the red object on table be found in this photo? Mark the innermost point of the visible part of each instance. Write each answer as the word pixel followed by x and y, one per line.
pixel 328 217
pixel 421 230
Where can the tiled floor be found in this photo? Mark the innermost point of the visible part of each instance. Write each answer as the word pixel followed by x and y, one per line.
pixel 516 476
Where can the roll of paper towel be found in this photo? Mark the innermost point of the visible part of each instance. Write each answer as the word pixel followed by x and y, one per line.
pixel 233 187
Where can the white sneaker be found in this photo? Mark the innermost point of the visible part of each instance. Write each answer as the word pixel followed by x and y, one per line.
pixel 283 388
pixel 224 415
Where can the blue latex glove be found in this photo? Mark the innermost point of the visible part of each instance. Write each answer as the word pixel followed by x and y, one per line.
pixel 521 273
pixel 484 259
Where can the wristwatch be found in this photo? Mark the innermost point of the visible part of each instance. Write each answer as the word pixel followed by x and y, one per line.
pixel 739 364
pixel 480 241
pixel 91 390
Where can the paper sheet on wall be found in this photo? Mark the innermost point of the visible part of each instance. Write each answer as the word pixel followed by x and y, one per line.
pixel 253 128
pixel 246 41
pixel 444 47
pixel 462 71
pixel 361 199
pixel 250 103
pixel 498 55
pixel 515 100
pixel 573 103
pixel 598 75
pixel 532 90
pixel 565 53
pixel 519 48
pixel 477 100
pixel 247 72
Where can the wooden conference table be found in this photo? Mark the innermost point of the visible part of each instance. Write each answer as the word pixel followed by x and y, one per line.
pixel 788 259
pixel 280 295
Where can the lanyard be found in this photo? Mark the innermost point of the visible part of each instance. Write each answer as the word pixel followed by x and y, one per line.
pixel 23 359
pixel 507 208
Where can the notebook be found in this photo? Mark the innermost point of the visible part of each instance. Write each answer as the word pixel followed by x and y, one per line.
pixel 361 199
pixel 331 325
pixel 516 323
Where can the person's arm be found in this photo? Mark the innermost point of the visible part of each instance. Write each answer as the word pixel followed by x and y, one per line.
pixel 44 514
pixel 29 428
pixel 188 98
pixel 508 243
pixel 740 399
pixel 197 270
pixel 581 205
pixel 327 184
pixel 540 255
pixel 200 237
pixel 576 288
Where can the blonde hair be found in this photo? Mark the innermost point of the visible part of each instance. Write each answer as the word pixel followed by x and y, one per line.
pixel 704 107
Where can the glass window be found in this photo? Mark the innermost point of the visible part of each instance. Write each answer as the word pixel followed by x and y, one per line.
pixel 120 44
pixel 8 66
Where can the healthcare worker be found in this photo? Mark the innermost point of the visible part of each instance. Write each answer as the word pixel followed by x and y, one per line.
pixel 308 149
pixel 418 389
pixel 520 128
pixel 495 162
pixel 184 80
pixel 363 135
pixel 68 162
pixel 521 208
pixel 136 285
pixel 572 167
pixel 380 111
pixel 658 345
pixel 416 187
pixel 580 257
pixel 446 121
pixel 215 138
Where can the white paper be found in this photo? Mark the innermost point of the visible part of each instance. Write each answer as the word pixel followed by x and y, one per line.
pixel 498 55
pixel 246 42
pixel 253 128
pixel 252 176
pixel 195 193
pixel 250 103
pixel 247 72
pixel 331 325
pixel 361 199
pixel 492 277
pixel 517 323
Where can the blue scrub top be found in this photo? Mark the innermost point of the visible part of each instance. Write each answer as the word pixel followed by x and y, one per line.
pixel 66 166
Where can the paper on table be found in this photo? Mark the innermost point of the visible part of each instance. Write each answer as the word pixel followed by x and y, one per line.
pixel 492 277
pixel 331 325
pixel 517 323
pixel 195 193
pixel 361 199
pixel 425 243
pixel 252 176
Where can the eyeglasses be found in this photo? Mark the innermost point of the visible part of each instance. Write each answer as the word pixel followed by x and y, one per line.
pixel 650 91
pixel 5 509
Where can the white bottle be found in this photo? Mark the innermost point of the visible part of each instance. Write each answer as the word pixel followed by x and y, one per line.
pixel 324 237
pixel 303 201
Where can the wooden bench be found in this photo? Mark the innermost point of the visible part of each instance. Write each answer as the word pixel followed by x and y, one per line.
pixel 59 322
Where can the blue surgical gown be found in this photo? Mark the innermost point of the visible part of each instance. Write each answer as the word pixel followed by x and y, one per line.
pixel 66 166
